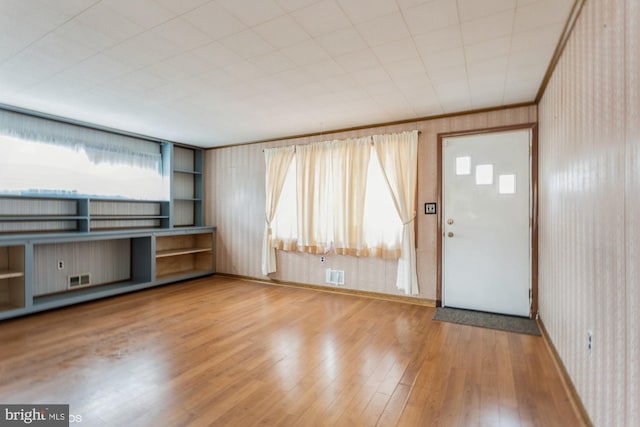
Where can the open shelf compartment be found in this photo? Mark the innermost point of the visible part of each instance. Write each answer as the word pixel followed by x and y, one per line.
pixel 184 254
pixel 12 294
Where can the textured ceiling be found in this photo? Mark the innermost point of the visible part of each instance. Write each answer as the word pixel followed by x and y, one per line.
pixel 222 72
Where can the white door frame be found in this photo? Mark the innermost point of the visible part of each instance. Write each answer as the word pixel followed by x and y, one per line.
pixel 534 207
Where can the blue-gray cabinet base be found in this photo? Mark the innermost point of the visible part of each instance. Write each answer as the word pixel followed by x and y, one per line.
pixel 44 271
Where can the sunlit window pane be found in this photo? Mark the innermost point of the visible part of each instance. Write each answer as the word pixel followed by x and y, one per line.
pixel 463 165
pixel 285 225
pixel 507 184
pixel 382 225
pixel 30 167
pixel 484 174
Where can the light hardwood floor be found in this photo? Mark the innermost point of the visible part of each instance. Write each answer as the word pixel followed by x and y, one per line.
pixel 226 352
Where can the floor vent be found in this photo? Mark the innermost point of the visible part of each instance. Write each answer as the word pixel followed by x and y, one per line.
pixel 79 280
pixel 335 277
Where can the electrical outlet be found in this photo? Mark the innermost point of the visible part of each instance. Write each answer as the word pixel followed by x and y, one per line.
pixel 589 342
pixel 430 208
pixel 60 265
pixel 323 259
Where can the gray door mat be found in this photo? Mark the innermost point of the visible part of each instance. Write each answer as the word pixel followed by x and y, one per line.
pixel 520 325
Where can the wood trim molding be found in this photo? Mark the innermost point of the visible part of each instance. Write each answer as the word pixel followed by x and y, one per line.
pixel 557 54
pixel 534 212
pixel 439 198
pixel 534 219
pixel 376 125
pixel 367 294
pixel 574 397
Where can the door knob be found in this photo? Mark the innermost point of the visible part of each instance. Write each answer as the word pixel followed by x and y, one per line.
pixel 449 221
pixel 450 234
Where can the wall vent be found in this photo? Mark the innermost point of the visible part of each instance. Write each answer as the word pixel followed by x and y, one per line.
pixel 79 280
pixel 335 277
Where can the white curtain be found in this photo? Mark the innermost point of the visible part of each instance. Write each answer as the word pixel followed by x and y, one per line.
pixel 277 165
pixel 313 187
pixel 398 156
pixel 99 146
pixel 350 164
pixel 47 156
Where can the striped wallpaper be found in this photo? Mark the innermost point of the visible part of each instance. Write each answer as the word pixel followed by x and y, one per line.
pixel 589 194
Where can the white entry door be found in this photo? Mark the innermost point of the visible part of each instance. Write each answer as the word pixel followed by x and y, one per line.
pixel 486 222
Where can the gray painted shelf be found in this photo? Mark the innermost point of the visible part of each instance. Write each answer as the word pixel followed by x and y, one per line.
pixel 126 260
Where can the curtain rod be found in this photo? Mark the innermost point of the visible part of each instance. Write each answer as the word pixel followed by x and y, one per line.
pixel 369 136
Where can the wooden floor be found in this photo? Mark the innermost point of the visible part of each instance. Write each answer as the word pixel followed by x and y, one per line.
pixel 224 352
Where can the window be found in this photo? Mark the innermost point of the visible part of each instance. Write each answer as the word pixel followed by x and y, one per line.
pixel 463 165
pixel 355 196
pixel 43 157
pixel 484 174
pixel 381 227
pixel 507 184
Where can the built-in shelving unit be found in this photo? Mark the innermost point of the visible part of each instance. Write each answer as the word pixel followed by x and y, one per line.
pixel 187 187
pixel 41 214
pixel 117 214
pixel 33 214
pixel 62 249
pixel 36 270
pixel 12 290
pixel 183 254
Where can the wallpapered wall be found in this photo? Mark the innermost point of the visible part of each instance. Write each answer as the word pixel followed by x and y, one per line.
pixel 235 183
pixel 589 194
